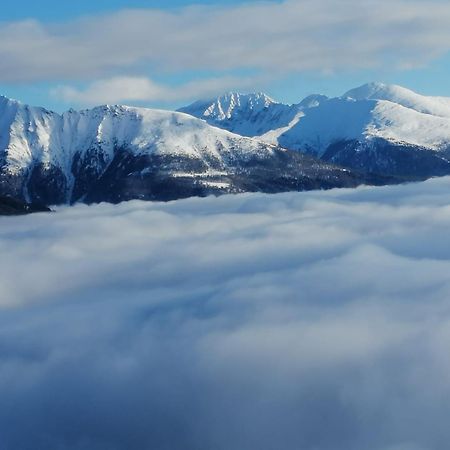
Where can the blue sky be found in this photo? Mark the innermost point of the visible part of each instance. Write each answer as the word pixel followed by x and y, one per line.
pixel 166 54
pixel 49 10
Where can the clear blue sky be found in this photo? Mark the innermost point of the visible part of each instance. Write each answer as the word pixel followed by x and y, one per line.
pixel 51 10
pixel 284 48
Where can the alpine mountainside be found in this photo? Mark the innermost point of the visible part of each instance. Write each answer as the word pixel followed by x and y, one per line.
pixel 376 128
pixel 116 153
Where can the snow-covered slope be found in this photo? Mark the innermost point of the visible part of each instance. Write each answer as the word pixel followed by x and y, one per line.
pixel 376 128
pixel 369 117
pixel 35 140
pixel 374 110
pixel 40 136
pixel 436 106
pixel 119 152
pixel 246 114
pixel 348 119
pixel 27 135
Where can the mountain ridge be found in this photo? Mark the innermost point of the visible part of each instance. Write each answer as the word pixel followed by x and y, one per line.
pixel 374 115
pixel 116 152
pixel 437 107
pixel 376 134
pixel 249 115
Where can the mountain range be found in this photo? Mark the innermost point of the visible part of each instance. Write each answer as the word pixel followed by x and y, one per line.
pixel 375 134
pixel 376 128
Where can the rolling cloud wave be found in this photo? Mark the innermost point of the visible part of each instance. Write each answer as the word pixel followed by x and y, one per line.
pixel 301 320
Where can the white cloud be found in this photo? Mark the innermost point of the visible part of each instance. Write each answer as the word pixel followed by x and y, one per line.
pixel 123 89
pixel 301 320
pixel 275 37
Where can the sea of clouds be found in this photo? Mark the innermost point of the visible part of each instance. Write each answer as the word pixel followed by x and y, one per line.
pixel 298 321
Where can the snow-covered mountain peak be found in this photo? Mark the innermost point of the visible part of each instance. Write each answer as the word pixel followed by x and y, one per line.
pixel 372 111
pixel 436 106
pixel 253 100
pixel 16 106
pixel 227 105
pixel 374 90
pixel 244 114
pixel 36 136
pixel 392 93
pixel 312 101
pixel 8 101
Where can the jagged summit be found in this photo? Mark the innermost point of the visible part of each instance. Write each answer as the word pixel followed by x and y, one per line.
pixel 227 105
pixel 244 114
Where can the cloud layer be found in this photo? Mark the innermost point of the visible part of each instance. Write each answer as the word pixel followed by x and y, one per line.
pixel 300 320
pixel 267 37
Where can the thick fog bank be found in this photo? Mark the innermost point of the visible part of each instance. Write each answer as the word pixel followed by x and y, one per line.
pixel 307 321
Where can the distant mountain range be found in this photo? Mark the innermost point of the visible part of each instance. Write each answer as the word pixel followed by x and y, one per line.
pixel 375 134
pixel 376 128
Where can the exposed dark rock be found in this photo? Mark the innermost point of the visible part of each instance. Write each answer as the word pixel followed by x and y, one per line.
pixel 10 206
pixel 47 185
pixel 153 177
pixel 390 159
